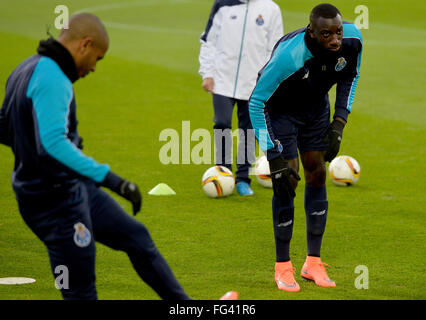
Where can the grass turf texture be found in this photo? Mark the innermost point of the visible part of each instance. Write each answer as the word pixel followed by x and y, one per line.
pixel 149 82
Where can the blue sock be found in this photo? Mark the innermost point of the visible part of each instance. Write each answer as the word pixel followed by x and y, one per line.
pixel 283 219
pixel 316 208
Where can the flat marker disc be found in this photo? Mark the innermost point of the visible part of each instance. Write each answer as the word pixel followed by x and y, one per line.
pixel 16 280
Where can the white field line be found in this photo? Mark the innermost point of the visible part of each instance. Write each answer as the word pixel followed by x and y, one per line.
pixel 121 5
pixel 373 25
pixel 395 44
pixel 142 28
pixel 367 42
pixel 153 29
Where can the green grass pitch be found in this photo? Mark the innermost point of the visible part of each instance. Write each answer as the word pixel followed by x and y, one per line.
pixel 149 82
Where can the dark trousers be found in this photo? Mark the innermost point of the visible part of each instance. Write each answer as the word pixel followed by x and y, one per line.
pixel 223 109
pixel 70 222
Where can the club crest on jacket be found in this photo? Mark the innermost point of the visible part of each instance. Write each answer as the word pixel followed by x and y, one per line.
pixel 341 63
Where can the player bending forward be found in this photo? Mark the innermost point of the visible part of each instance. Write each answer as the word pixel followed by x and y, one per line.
pixel 290 112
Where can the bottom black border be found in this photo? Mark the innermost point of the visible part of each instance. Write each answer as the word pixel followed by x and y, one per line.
pixel 250 309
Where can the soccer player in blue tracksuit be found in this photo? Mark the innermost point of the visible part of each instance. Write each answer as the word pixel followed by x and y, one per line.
pixel 58 187
pixel 290 112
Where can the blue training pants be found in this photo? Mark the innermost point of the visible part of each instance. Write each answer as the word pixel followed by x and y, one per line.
pixel 223 109
pixel 70 222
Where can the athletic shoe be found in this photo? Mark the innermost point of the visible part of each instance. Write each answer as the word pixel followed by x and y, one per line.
pixel 243 188
pixel 230 295
pixel 284 277
pixel 314 270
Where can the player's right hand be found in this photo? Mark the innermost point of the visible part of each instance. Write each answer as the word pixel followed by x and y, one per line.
pixel 281 174
pixel 208 85
pixel 128 190
pixel 334 138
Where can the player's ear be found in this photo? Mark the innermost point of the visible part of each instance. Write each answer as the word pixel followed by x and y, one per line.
pixel 85 43
pixel 310 31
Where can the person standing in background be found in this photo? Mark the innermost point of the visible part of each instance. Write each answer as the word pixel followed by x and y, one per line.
pixel 236 44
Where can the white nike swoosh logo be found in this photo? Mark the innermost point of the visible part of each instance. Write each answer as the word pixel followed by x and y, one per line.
pixel 285 224
pixel 286 285
pixel 318 213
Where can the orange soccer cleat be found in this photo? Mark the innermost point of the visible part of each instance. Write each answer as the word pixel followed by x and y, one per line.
pixel 314 270
pixel 230 295
pixel 284 277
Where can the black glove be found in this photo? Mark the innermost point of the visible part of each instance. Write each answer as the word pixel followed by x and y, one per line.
pixel 124 188
pixel 281 181
pixel 333 137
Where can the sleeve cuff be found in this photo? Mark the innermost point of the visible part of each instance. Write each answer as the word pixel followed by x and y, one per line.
pixel 272 154
pixel 112 181
pixel 342 113
pixel 207 75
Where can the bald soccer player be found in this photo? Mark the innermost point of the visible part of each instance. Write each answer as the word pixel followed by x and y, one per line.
pixel 57 186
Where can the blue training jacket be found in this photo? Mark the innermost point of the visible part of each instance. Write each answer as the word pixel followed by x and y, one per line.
pixel 297 78
pixel 38 121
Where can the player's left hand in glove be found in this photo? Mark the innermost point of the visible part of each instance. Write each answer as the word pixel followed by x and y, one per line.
pixel 333 137
pixel 128 190
pixel 281 174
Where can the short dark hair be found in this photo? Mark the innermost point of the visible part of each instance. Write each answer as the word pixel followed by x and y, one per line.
pixel 324 10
